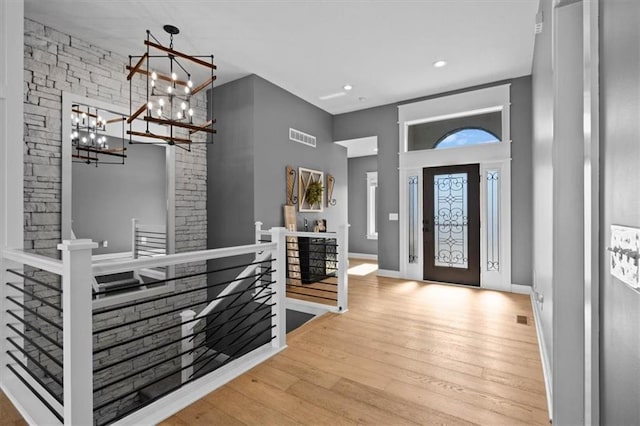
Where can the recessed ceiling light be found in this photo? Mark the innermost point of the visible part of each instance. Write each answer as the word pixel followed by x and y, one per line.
pixel 375 149
pixel 347 87
pixel 440 63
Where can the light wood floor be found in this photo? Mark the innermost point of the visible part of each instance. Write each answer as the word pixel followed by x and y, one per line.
pixel 406 353
pixel 9 416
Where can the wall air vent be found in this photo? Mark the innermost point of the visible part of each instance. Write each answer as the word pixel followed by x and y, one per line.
pixel 301 137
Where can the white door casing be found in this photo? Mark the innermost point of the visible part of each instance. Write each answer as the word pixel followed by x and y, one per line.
pixel 493 156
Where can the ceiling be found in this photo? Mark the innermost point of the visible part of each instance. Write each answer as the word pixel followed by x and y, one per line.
pixel 312 48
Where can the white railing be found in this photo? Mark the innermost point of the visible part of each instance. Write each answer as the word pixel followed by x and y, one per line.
pixel 34 399
pixel 85 369
pixel 76 271
pixel 316 265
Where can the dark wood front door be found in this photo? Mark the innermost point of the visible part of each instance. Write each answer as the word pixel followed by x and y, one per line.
pixel 451 226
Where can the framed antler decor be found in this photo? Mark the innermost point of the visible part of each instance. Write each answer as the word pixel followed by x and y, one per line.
pixel 291 181
pixel 331 182
pixel 310 190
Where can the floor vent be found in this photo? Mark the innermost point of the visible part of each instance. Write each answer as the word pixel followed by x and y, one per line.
pixel 301 137
pixel 521 319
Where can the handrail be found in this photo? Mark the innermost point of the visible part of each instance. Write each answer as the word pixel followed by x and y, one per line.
pixel 311 234
pixel 179 258
pixel 45 263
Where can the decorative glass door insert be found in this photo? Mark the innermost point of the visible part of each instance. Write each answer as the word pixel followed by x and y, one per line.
pixel 450 220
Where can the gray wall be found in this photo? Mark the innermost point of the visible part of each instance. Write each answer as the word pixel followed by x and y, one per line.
pixel 250 152
pixel 230 161
pixel 358 168
pixel 542 77
pixel 275 111
pixel 568 213
pixel 620 204
pixel 383 122
pixel 107 197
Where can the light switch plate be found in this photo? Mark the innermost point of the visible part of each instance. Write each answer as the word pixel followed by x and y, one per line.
pixel 393 216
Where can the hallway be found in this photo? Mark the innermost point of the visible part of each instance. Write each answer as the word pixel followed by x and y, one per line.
pixel 405 353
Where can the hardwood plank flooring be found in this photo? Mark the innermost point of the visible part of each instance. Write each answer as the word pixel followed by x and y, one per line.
pixel 9 415
pixel 405 353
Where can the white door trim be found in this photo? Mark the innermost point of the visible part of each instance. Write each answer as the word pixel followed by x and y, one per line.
pixel 489 156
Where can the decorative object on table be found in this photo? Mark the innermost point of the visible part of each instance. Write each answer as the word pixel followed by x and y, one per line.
pixel 321 225
pixel 293 254
pixel 331 181
pixel 291 181
pixel 169 92
pixel 625 254
pixel 97 135
pixel 310 190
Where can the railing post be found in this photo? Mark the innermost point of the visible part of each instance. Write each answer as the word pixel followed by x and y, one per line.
pixel 77 322
pixel 187 345
pixel 258 232
pixel 343 266
pixel 279 276
pixel 134 231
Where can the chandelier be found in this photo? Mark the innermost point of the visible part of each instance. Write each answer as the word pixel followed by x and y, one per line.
pixel 92 142
pixel 169 91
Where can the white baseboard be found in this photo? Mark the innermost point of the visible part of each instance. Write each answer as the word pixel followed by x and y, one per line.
pixel 388 273
pixel 307 307
pixel 167 406
pixel 364 256
pixel 544 354
pixel 521 289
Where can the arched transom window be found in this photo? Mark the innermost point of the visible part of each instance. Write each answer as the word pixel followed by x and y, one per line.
pixel 465 137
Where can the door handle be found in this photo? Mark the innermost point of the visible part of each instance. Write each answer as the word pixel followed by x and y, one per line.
pixel 425 225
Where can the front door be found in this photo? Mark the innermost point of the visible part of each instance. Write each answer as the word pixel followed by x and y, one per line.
pixel 451 226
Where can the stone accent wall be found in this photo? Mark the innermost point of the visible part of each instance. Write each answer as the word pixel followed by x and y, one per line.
pixel 55 62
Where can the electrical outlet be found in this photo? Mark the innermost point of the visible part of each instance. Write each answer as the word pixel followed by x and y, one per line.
pixel 393 216
pixel 105 243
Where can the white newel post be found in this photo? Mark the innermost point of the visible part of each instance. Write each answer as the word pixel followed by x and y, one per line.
pixel 77 321
pixel 187 344
pixel 279 276
pixel 258 232
pixel 134 245
pixel 343 266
